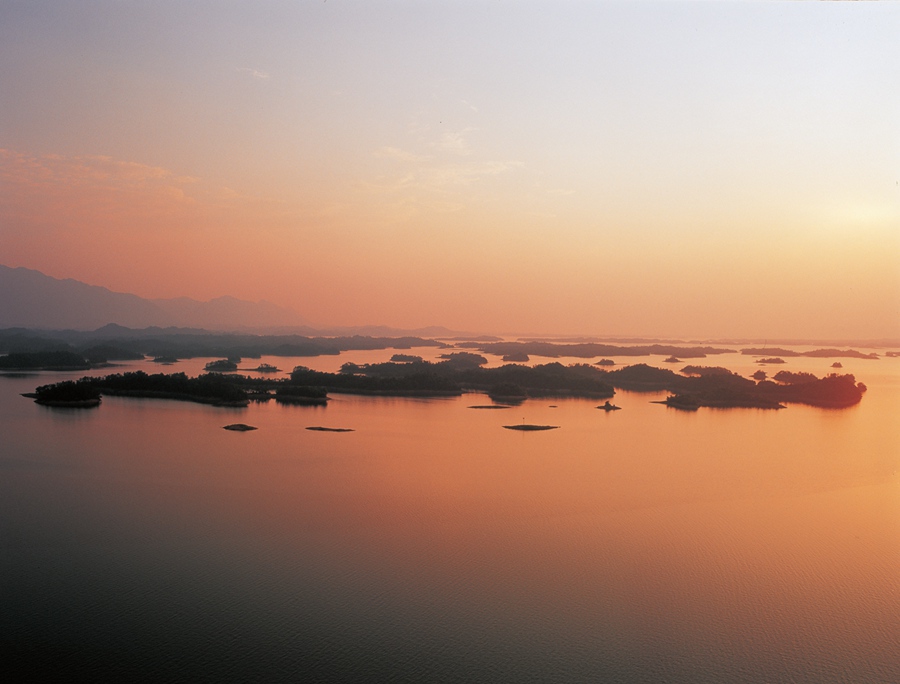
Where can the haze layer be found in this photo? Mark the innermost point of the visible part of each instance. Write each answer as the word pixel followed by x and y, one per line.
pixel 650 169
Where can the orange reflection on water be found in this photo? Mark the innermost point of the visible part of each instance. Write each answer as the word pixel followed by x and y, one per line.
pixel 749 537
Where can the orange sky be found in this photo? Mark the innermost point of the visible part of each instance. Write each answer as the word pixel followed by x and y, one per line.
pixel 657 169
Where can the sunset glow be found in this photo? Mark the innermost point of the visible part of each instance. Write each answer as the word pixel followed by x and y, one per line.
pixel 701 170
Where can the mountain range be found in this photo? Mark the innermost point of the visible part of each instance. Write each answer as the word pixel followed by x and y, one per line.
pixel 30 299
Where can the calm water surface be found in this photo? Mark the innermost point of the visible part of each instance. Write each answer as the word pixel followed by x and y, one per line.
pixel 141 541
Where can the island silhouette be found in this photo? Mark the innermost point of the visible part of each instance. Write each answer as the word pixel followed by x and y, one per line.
pixel 694 387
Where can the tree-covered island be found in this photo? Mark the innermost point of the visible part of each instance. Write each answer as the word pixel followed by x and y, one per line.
pixel 67 394
pixel 210 388
pixel 587 350
pixel 815 353
pixel 464 371
pixel 717 387
pixel 170 344
pixel 44 360
pixel 693 387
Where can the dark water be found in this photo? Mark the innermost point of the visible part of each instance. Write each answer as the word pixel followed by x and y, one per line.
pixel 140 541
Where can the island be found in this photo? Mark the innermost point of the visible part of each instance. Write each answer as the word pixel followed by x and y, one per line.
pixel 681 402
pixel 516 357
pixel 67 394
pixel 100 355
pixel 511 384
pixel 525 427
pixel 465 372
pixel 717 387
pixel 96 356
pixel 463 360
pixel 815 353
pixel 45 360
pixel 168 345
pixel 587 350
pixel 211 388
pixel 240 427
pixel 222 365
pixel 606 406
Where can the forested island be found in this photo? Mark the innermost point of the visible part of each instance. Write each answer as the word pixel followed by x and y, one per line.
pixel 67 394
pixel 45 360
pixel 717 387
pixel 587 350
pixel 114 343
pixel 464 371
pixel 693 387
pixel 815 353
pixel 223 365
pixel 210 388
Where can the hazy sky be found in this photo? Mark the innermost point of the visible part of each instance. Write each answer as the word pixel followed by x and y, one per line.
pixel 662 169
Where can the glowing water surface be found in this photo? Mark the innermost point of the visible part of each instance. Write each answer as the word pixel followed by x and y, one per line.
pixel 141 540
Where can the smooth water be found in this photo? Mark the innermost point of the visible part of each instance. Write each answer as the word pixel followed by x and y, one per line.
pixel 141 541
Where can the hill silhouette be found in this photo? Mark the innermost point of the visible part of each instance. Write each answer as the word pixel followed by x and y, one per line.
pixel 34 300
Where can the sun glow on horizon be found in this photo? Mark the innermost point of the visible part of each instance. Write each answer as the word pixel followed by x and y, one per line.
pixel 653 169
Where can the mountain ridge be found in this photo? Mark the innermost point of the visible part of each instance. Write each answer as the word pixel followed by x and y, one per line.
pixel 31 299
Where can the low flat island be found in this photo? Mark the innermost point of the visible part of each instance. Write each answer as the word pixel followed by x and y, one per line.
pixel 526 427
pixel 240 427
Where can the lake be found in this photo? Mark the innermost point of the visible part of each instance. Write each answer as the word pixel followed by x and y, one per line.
pixel 141 541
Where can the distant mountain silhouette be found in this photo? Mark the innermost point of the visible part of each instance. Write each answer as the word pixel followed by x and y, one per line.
pixel 30 299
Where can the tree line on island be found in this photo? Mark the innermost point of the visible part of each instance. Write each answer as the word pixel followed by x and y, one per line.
pixel 28 349
pixel 455 373
pixel 117 343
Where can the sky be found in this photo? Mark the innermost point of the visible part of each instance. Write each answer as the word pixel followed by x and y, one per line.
pixel 660 169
